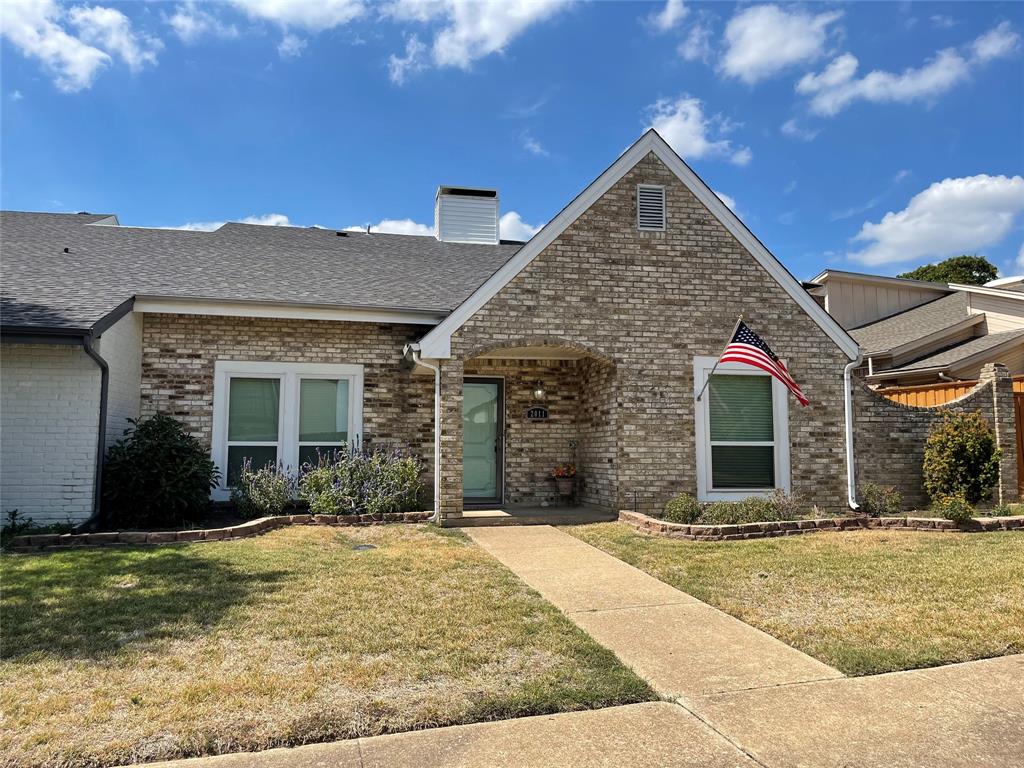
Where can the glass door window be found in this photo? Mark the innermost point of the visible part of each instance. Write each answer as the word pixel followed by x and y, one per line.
pixel 482 412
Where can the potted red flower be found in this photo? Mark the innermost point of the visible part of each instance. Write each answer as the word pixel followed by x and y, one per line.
pixel 565 478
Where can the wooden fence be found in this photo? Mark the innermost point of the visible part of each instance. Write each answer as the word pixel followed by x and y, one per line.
pixel 925 395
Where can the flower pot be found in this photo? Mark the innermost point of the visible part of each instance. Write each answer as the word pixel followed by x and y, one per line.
pixel 564 485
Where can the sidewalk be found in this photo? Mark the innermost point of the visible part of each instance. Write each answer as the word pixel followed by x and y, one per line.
pixel 684 648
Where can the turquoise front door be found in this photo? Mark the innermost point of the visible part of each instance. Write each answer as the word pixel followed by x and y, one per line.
pixel 482 426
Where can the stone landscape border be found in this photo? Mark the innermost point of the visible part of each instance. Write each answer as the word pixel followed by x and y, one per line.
pixel 46 541
pixel 647 524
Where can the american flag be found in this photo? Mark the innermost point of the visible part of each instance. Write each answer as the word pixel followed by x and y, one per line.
pixel 748 348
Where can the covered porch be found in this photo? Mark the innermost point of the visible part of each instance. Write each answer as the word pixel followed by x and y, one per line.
pixel 509 417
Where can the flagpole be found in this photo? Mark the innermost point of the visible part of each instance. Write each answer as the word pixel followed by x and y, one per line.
pixel 712 372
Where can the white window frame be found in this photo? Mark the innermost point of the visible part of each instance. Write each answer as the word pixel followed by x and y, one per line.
pixel 702 367
pixel 664 208
pixel 290 376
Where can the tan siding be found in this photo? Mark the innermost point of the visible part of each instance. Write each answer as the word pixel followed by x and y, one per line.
pixel 854 303
pixel 1012 358
pixel 1001 314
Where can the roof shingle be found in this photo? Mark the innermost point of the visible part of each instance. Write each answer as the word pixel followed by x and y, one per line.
pixel 916 323
pixel 104 265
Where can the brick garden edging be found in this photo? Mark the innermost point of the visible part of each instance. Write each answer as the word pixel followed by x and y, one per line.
pixel 647 524
pixel 241 531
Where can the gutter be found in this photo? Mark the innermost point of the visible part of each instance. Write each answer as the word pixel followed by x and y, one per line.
pixel 851 473
pixel 101 433
pixel 414 349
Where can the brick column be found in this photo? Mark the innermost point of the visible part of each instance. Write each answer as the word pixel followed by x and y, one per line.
pixel 450 495
pixel 1005 428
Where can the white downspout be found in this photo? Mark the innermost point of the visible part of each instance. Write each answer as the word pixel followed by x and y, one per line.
pixel 851 474
pixel 414 349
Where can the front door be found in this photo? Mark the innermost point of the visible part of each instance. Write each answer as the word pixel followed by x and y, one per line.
pixel 483 412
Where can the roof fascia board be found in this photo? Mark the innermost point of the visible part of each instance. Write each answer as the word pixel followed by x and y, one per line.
pixel 881 280
pixel 1000 292
pixel 41 335
pixel 437 343
pixel 288 311
pixel 112 317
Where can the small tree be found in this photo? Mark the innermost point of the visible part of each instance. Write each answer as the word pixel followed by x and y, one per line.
pixel 157 475
pixel 969 270
pixel 961 458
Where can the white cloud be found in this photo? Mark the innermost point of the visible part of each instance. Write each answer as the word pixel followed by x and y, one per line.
pixel 395 227
pixel 942 21
pixel 533 146
pixel 266 220
pixel 764 40
pixel 309 15
pixel 794 130
pixel 512 227
pixel 473 30
pixel 16 95
pixel 729 201
pixel 997 43
pixel 697 44
pixel 669 16
pixel 951 217
pixel 1020 256
pixel 415 60
pixel 837 86
pixel 111 30
pixel 291 45
pixel 900 175
pixel 33 27
pixel 683 125
pixel 190 23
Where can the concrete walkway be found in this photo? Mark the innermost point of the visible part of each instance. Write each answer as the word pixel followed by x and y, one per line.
pixel 684 648
pixel 743 699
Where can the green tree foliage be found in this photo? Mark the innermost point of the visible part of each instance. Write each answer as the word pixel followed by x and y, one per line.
pixel 968 270
pixel 961 458
pixel 158 475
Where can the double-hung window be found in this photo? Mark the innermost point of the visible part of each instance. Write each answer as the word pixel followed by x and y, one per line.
pixel 282 413
pixel 742 432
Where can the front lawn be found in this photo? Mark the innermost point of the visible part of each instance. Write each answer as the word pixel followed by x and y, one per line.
pixel 862 601
pixel 117 655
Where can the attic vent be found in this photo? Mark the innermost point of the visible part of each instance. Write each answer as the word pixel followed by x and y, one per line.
pixel 650 207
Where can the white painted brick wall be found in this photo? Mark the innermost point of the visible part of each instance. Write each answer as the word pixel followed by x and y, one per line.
pixel 121 347
pixel 49 411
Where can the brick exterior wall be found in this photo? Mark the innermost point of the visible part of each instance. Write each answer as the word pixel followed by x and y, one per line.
pixel 49 414
pixel 889 437
pixel 179 352
pixel 647 303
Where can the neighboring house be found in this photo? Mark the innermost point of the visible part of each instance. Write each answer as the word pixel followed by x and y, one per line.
pixel 915 332
pixel 272 342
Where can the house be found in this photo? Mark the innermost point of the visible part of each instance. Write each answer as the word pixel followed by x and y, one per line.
pixel 914 332
pixel 495 361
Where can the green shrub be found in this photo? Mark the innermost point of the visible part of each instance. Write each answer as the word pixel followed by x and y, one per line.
pixel 352 483
pixel 960 456
pixel 158 475
pixel 954 506
pixel 262 492
pixel 779 505
pixel 682 509
pixel 880 500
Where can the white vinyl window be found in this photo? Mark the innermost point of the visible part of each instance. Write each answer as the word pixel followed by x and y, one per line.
pixel 742 432
pixel 282 413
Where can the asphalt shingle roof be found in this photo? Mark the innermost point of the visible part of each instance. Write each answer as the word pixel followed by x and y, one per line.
pixel 106 265
pixel 953 355
pixel 897 330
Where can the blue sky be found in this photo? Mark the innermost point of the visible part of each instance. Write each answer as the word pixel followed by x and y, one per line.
pixel 872 137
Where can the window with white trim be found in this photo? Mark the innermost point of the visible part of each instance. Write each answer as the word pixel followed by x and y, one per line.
pixel 742 423
pixel 282 413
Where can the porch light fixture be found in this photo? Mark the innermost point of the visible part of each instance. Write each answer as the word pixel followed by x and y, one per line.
pixel 538 390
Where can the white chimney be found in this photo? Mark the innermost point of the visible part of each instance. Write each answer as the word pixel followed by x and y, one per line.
pixel 466 215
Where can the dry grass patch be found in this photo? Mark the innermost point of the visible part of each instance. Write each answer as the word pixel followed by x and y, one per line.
pixel 122 655
pixel 862 601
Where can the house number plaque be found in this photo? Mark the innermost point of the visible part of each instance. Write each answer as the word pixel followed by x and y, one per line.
pixel 537 413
